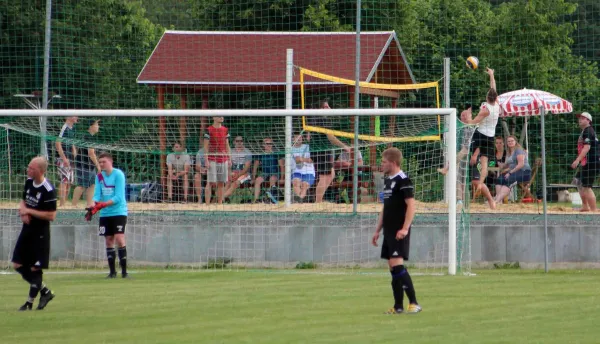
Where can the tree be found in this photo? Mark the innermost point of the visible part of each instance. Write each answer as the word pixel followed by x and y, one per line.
pixel 21 50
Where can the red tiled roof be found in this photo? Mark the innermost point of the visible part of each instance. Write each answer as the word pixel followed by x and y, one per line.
pixel 259 58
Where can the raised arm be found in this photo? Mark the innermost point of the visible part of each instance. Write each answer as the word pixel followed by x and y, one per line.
pixel 492 79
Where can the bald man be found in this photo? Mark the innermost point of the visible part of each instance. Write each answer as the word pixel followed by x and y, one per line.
pixel 32 250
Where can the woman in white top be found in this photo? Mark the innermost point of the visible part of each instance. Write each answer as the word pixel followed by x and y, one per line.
pixel 303 174
pixel 483 138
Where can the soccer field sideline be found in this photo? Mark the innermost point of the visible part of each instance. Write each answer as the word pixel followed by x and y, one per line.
pixel 496 306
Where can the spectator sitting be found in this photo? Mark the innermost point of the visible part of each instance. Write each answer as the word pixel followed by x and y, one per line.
pixel 270 164
pixel 178 164
pixel 323 160
pixel 241 159
pixel 515 170
pixel 303 175
pixel 200 175
pixel 345 166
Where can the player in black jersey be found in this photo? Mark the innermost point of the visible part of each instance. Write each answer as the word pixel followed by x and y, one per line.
pixel 395 219
pixel 32 250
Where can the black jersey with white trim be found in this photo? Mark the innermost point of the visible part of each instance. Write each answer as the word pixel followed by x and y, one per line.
pixel 397 190
pixel 40 197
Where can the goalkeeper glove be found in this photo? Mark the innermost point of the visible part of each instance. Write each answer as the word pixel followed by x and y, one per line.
pixel 91 211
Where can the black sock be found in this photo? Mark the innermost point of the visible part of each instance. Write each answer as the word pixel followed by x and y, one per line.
pixel 407 284
pixel 397 288
pixel 36 284
pixel 110 256
pixel 25 272
pixel 123 259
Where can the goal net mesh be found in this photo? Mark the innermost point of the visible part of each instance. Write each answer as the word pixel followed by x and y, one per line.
pixel 249 230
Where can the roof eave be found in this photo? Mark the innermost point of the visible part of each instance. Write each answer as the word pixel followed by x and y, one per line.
pixel 150 57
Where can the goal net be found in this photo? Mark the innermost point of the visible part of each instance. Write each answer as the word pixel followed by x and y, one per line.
pixel 262 223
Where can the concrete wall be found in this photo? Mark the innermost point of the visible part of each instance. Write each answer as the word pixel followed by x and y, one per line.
pixel 265 239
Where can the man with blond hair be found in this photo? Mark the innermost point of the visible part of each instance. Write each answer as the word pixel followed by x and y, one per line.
pixel 395 220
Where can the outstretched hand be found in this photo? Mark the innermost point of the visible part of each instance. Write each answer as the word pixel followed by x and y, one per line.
pixel 489 70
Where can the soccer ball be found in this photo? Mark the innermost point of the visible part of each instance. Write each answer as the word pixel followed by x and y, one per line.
pixel 472 62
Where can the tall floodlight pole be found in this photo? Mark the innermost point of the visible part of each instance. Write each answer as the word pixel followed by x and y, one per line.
pixel 543 134
pixel 43 147
pixel 356 106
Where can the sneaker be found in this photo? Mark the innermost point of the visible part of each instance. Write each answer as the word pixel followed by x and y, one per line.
pixel 26 307
pixel 413 309
pixel 271 198
pixel 44 299
pixel 394 311
pixel 111 275
pixel 297 199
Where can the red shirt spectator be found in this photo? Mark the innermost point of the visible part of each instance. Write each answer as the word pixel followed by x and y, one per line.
pixel 217 143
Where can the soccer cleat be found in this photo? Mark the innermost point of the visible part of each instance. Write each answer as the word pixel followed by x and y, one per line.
pixel 26 307
pixel 111 275
pixel 413 309
pixel 125 275
pixel 271 198
pixel 44 299
pixel 394 311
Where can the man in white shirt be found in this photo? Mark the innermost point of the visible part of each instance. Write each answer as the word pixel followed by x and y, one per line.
pixel 178 164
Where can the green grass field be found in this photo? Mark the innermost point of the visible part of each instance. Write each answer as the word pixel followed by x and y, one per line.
pixel 496 306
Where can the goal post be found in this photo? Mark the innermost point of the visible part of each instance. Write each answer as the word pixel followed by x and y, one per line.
pixel 241 234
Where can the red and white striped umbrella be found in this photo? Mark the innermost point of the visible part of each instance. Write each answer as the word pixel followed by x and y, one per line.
pixel 523 103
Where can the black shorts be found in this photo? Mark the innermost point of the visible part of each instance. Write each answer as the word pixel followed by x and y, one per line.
pixel 392 248
pixel 484 143
pixel 33 247
pixel 323 162
pixel 587 174
pixel 476 175
pixel 111 225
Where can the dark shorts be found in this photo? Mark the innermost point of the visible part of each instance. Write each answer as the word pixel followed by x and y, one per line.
pixel 33 247
pixel 484 143
pixel 111 225
pixel 587 174
pixel 85 177
pixel 476 175
pixel 392 248
pixel 323 162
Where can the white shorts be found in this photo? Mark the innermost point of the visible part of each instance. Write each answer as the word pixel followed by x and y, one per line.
pixel 217 172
